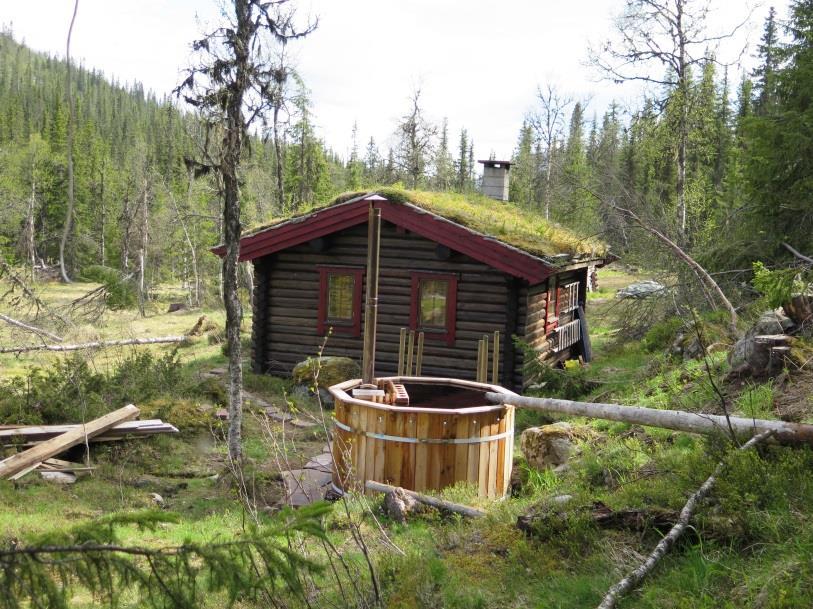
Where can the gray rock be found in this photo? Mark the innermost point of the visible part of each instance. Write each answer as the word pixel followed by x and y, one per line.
pixel 748 354
pixel 562 499
pixel 399 505
pixel 641 289
pixel 547 447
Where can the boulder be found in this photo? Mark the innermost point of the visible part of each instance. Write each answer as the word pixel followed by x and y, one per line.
pixel 547 447
pixel 398 505
pixel 641 289
pixel 331 370
pixel 750 355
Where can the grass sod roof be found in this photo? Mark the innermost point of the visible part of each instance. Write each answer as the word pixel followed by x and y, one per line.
pixel 503 221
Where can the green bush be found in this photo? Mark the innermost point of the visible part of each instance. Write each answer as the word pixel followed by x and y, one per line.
pixel 122 292
pixel 71 390
pixel 661 335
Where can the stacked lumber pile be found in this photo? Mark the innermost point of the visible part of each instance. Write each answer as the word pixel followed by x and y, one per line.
pixel 47 441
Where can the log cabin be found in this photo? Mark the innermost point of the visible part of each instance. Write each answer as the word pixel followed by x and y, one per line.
pixel 455 267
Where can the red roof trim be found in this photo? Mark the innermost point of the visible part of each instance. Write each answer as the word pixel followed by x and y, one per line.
pixel 478 246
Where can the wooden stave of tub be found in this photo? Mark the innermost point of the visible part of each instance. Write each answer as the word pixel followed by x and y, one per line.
pixel 420 465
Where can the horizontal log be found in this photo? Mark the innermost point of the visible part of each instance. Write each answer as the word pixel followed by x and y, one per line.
pixel 440 504
pixel 678 420
pixel 99 344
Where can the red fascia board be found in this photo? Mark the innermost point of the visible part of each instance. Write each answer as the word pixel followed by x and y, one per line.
pixel 318 225
pixel 477 246
pixel 332 219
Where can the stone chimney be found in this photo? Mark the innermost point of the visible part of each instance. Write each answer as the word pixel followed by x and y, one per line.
pixel 495 179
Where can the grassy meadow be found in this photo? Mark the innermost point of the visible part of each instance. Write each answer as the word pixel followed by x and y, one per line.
pixel 751 545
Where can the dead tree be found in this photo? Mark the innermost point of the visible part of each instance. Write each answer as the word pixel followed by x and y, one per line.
pixel 549 123
pixel 232 85
pixel 66 229
pixel 706 280
pixel 670 35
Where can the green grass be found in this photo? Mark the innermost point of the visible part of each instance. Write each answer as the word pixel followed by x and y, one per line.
pixel 751 545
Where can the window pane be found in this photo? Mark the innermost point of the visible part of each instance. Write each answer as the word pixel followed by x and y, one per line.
pixel 340 290
pixel 433 296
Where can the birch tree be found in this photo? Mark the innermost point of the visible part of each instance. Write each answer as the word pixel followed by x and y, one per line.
pixel 671 35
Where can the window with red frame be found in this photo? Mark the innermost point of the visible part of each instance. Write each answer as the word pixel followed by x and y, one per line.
pixel 340 300
pixel 434 306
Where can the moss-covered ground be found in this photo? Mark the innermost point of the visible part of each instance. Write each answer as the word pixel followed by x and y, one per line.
pixel 751 544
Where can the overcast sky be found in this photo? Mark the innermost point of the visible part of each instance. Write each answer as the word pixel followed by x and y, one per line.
pixel 477 62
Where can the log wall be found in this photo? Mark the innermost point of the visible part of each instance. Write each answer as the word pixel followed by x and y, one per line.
pixel 287 294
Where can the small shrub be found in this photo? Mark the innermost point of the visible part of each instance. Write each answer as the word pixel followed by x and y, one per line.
pixel 71 391
pixel 661 335
pixel 122 292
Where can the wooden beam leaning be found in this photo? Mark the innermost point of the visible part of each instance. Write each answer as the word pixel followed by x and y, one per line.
pixel 679 420
pixel 410 350
pixel 401 347
pixel 495 363
pixel 419 355
pixel 50 448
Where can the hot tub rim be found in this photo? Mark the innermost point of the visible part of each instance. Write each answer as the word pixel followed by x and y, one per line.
pixel 339 392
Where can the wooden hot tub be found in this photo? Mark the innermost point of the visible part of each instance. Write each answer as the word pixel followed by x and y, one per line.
pixel 448 433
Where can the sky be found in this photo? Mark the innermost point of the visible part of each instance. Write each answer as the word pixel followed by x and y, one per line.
pixel 478 63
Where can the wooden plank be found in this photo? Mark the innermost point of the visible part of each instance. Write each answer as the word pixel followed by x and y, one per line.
pixel 473 458
pixel 401 346
pixel 495 360
pixel 482 474
pixel 380 445
pixel 54 446
pixel 367 420
pixel 461 451
pixel 392 451
pixel 448 452
pixel 419 356
pixel 492 460
pixel 408 452
pixel 500 474
pixel 422 452
pixel 509 449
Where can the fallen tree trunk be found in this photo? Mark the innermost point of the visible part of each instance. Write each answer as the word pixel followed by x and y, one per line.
pixel 630 581
pixel 679 420
pixel 99 344
pixel 29 328
pixel 464 510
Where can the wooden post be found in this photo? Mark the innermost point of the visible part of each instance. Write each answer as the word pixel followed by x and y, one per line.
pixel 484 361
pixel 410 349
pixel 419 356
pixel 371 306
pixel 401 347
pixel 495 364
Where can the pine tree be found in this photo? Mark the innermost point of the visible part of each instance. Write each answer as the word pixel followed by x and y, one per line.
pixel 765 72
pixel 443 177
pixel 462 163
pixel 372 163
pixel 354 169
pixel 523 170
